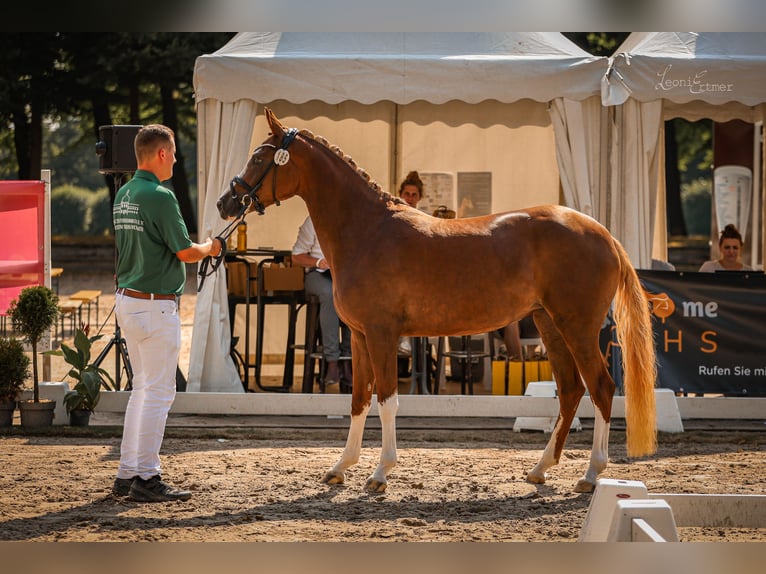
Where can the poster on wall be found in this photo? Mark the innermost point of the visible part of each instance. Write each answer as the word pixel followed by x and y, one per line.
pixel 474 193
pixel 438 189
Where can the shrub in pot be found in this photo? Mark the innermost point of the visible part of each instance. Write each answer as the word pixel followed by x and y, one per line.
pixel 14 370
pixel 81 401
pixel 32 314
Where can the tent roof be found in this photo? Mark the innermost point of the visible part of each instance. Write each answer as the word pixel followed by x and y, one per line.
pixel 713 67
pixel 399 67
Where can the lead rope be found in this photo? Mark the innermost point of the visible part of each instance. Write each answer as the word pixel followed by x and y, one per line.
pixel 211 263
pixel 281 157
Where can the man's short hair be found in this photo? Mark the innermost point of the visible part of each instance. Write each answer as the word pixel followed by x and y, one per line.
pixel 151 137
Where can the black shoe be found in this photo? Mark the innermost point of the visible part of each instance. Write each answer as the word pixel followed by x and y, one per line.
pixel 154 490
pixel 332 376
pixel 122 486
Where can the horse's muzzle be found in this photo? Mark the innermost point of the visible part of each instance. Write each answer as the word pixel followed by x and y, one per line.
pixel 226 208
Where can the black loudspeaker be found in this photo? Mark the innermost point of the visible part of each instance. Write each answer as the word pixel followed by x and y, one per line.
pixel 115 150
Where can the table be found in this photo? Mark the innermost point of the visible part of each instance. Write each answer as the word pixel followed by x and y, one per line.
pixel 88 297
pixel 293 299
pixel 56 273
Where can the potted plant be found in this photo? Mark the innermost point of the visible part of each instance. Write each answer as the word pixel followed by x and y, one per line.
pixel 32 314
pixel 83 398
pixel 14 370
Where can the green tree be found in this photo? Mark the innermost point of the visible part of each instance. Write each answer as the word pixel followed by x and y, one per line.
pixel 57 89
pixel 29 91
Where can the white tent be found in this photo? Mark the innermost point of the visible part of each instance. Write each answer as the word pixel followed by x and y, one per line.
pixel 522 107
pixel 657 76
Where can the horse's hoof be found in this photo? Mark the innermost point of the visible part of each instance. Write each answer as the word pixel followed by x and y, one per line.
pixel 584 486
pixel 333 478
pixel 536 478
pixel 375 485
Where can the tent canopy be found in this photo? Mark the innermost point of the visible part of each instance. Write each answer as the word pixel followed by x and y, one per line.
pixel 398 67
pixel 682 67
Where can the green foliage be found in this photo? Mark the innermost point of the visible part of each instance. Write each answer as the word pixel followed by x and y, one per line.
pixel 85 395
pixel 90 378
pixel 32 314
pixel 64 85
pixel 76 211
pixel 695 149
pixel 598 43
pixel 100 220
pixel 14 368
pixel 696 198
pixel 69 210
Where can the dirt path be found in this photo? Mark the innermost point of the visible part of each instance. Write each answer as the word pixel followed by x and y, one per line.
pixel 263 484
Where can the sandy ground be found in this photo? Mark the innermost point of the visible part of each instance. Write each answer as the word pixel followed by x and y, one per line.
pixel 262 484
pixel 257 479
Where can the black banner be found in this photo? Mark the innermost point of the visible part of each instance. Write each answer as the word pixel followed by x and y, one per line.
pixel 710 331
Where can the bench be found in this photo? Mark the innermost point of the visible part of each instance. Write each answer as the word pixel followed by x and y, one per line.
pixel 71 309
pixel 87 297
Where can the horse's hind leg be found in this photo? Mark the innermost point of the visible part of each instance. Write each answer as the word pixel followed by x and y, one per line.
pixel 570 391
pixel 361 399
pixel 582 361
pixel 601 394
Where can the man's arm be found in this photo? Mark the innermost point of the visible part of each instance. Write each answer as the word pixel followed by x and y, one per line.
pixel 198 251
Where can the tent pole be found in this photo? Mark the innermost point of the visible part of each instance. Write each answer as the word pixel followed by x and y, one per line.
pixel 395 168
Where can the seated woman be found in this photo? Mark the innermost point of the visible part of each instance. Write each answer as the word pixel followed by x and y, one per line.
pixel 730 245
pixel 307 253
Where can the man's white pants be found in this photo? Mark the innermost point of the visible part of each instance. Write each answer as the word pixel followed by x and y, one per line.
pixel 152 331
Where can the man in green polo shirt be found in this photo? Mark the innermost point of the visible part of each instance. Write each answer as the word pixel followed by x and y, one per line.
pixel 153 245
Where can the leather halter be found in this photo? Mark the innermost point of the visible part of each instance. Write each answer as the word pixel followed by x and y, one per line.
pixel 210 264
pixel 251 191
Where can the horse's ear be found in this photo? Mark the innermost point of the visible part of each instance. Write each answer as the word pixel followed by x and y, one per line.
pixel 274 125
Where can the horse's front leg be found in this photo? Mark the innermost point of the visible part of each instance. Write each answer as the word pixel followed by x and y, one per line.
pixel 361 399
pixel 387 412
pixel 350 456
pixel 383 357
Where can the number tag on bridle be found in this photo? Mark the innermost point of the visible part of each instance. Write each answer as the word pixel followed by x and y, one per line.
pixel 281 157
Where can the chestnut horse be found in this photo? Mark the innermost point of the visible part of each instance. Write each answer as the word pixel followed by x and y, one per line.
pixel 398 271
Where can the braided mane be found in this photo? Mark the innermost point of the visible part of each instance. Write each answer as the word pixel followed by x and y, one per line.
pixel 373 185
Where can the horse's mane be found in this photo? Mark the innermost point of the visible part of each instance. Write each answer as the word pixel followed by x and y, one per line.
pixel 373 185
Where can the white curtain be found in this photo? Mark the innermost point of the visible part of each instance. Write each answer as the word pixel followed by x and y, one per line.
pixel 580 145
pixel 635 162
pixel 224 135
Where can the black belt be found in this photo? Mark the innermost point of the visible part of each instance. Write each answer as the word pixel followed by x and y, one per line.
pixel 148 296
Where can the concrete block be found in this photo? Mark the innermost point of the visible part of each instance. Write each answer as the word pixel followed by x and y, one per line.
pixel 608 492
pixel 668 415
pixel 657 522
pixel 545 424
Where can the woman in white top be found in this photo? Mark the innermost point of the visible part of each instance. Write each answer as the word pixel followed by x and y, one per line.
pixel 336 336
pixel 730 245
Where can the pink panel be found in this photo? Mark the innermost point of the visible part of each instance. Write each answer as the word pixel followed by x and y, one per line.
pixel 22 238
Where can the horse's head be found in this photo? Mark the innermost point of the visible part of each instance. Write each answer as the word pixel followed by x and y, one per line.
pixel 245 192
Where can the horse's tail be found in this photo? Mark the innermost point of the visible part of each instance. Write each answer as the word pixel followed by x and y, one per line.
pixel 636 340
